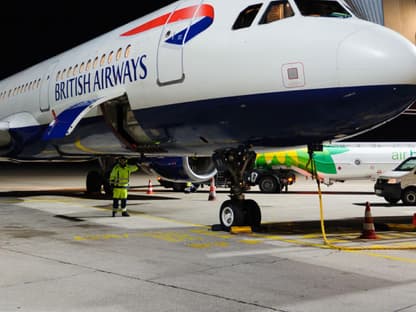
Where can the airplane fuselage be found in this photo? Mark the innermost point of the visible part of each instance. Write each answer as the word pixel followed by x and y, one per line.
pixel 183 81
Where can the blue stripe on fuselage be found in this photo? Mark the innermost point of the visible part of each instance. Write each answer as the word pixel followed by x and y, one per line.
pixel 275 119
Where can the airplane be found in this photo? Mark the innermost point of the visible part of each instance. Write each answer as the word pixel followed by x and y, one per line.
pixel 214 82
pixel 341 161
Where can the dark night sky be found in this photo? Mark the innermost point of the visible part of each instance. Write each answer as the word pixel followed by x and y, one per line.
pixel 32 32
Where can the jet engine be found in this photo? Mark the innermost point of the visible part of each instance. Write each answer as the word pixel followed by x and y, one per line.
pixel 184 169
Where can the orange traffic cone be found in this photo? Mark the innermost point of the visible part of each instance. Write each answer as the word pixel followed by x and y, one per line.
pixel 369 231
pixel 149 187
pixel 212 195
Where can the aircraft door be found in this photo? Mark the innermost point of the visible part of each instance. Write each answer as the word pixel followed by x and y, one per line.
pixel 171 43
pixel 44 100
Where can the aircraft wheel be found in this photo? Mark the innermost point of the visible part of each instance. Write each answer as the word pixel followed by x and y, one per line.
pixel 231 213
pixel 253 213
pixel 94 182
pixel 409 197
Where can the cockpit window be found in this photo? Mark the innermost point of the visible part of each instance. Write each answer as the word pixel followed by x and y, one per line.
pixel 247 16
pixel 276 10
pixel 323 8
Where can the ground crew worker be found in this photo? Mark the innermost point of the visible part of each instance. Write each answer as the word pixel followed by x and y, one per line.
pixel 119 179
pixel 189 188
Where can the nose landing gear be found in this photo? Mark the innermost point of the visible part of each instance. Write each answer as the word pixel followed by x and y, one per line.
pixel 237 211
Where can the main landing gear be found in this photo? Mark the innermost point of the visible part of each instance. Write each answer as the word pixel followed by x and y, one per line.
pixel 237 211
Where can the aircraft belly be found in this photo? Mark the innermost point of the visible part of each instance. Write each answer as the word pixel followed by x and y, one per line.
pixel 320 114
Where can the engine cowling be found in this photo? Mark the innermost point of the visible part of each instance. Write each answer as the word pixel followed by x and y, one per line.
pixel 184 169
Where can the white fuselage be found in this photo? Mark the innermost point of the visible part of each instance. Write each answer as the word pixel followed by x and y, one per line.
pixel 297 80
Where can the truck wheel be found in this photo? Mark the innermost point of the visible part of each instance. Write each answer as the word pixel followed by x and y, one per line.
pixel 269 184
pixel 391 200
pixel 409 197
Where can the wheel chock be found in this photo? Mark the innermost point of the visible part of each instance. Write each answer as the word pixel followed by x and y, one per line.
pixel 240 229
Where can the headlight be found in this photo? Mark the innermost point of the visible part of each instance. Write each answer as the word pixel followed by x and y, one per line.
pixel 393 181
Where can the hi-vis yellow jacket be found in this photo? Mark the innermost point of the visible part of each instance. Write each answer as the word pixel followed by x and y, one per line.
pixel 120 176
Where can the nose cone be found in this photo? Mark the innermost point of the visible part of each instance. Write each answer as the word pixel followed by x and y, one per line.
pixel 376 55
pixel 376 70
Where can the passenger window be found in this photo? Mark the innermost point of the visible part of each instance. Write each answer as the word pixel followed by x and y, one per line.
pixel 277 10
pixel 110 57
pixel 95 63
pixel 127 52
pixel 76 70
pixel 118 55
pixel 102 62
pixel 88 66
pixel 247 16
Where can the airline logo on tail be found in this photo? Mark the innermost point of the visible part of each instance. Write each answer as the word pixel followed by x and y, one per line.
pixel 203 16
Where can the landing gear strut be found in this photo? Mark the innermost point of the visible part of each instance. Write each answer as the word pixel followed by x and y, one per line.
pixel 237 211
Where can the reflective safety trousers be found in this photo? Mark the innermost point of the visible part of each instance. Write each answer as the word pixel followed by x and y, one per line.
pixel 120 177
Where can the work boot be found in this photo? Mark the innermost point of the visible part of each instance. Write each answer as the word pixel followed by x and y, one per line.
pixel 125 214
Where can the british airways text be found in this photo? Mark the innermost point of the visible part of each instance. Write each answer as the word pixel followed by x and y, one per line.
pixel 103 78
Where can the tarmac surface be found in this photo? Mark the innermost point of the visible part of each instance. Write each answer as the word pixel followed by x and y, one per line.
pixel 60 249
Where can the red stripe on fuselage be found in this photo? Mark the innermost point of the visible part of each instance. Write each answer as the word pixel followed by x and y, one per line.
pixel 181 14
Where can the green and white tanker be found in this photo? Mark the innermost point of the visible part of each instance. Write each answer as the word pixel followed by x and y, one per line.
pixel 341 161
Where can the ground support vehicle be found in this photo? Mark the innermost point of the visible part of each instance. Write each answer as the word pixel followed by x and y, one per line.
pixel 398 184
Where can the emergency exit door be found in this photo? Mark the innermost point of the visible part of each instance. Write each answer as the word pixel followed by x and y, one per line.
pixel 171 43
pixel 46 82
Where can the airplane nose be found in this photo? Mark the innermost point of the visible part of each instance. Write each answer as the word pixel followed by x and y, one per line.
pixel 376 71
pixel 376 55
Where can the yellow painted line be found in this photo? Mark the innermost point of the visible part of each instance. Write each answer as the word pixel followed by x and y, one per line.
pixel 205 232
pixel 372 254
pixel 401 227
pixel 85 149
pixel 312 235
pixel 208 245
pixel 48 200
pixel 251 241
pixel 173 237
pixel 12 201
pixel 97 237
pixel 394 258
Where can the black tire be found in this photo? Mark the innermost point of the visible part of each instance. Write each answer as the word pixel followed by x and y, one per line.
pixel 94 182
pixel 253 213
pixel 231 213
pixel 390 200
pixel 269 184
pixel 409 196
